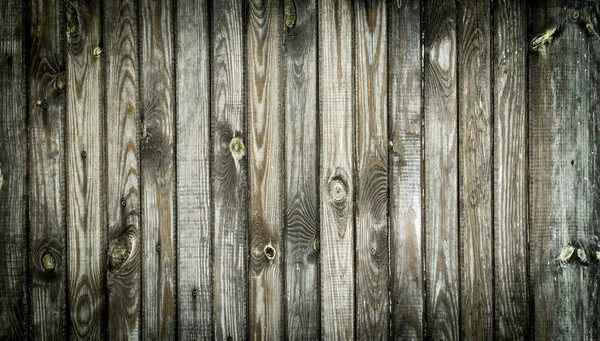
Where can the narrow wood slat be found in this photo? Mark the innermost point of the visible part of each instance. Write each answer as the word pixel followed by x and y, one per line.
pixel 265 118
pixel 336 106
pixel 509 52
pixel 303 299
pixel 123 170
pixel 441 146
pixel 194 223
pixel 14 317
pixel 229 170
pixel 405 104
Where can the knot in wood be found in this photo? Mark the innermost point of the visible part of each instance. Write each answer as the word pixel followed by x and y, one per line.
pixel 98 52
pixel 317 244
pixel 269 252
pixel 48 261
pixel 237 148
pixel 337 190
pixel 289 13
pixel 581 255
pixel 575 15
pixel 1 179
pixel 40 102
pixel 539 42
pixel 590 29
pixel 60 81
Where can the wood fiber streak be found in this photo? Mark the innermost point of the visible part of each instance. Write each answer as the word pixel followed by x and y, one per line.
pixel 265 123
pixel 371 147
pixel 510 170
pixel 303 318
pixel 337 131
pixel 405 103
pixel 123 169
pixel 14 315
pixel 158 173
pixel 441 146
pixel 86 216
pixel 194 223
pixel 229 170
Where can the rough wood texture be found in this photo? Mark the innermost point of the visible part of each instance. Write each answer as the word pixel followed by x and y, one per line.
pixel 229 170
pixel 14 315
pixel 563 123
pixel 303 318
pixel 371 148
pixel 475 169
pixel 406 239
pixel 265 169
pixel 336 107
pixel 194 221
pixel 123 169
pixel 441 145
pixel 509 52
pixel 86 215
pixel 158 173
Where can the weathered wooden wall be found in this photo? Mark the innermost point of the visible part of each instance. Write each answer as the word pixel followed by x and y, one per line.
pixel 299 169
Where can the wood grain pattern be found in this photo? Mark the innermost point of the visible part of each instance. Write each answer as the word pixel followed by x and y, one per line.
pixel 475 169
pixel 194 222
pixel 563 121
pixel 371 153
pixel 509 52
pixel 86 217
pixel 441 145
pixel 265 169
pixel 405 104
pixel 336 105
pixel 303 318
pixel 14 315
pixel 229 171
pixel 123 169
pixel 158 173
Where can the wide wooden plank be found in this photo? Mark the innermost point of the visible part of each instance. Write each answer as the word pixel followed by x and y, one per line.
pixel 509 52
pixel 123 170
pixel 336 105
pixel 194 223
pixel 371 148
pixel 475 169
pixel 14 315
pixel 229 170
pixel 265 159
pixel 158 173
pixel 563 125
pixel 441 192
pixel 303 313
pixel 406 228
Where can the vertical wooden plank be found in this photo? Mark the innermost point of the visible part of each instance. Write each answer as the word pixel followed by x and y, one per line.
pixel 123 193
pixel 336 107
pixel 46 103
pixel 158 135
pixel 86 217
pixel 14 320
pixel 303 299
pixel 563 117
pixel 475 169
pixel 265 169
pixel 371 147
pixel 194 224
pixel 229 170
pixel 406 239
pixel 510 170
pixel 441 145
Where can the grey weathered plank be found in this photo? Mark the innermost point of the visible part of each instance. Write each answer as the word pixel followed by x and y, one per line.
pixel 158 173
pixel 86 216
pixel 563 125
pixel 475 169
pixel 194 223
pixel 265 158
pixel 509 52
pixel 441 145
pixel 371 148
pixel 46 103
pixel 229 170
pixel 336 105
pixel 406 239
pixel 123 170
pixel 303 318
pixel 14 316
